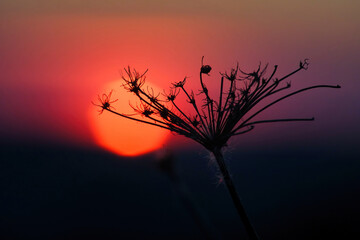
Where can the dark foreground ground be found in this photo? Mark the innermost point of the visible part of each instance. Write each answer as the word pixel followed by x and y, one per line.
pixel 57 192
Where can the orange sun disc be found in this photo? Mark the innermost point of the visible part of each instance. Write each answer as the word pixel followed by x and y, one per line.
pixel 120 135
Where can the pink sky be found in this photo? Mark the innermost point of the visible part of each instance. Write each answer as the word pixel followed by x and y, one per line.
pixel 56 55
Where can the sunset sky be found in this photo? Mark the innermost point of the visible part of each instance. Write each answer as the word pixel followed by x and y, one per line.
pixel 56 56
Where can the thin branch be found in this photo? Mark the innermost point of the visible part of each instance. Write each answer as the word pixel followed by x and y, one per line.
pixel 138 120
pixel 284 97
pixel 248 130
pixel 277 120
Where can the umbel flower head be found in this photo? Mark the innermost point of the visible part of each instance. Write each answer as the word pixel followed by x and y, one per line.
pixel 105 102
pixel 212 122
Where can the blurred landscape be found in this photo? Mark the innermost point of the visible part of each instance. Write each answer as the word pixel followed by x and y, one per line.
pixel 62 192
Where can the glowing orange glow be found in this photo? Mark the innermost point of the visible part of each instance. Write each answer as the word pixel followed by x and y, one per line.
pixel 123 136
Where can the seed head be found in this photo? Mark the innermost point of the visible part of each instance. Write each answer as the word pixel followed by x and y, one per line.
pixel 213 123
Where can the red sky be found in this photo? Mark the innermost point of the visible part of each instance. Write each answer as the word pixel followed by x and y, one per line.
pixel 55 56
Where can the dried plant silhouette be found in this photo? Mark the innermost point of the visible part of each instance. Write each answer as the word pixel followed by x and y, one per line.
pixel 212 123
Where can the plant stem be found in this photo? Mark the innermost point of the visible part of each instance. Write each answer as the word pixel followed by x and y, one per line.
pixel 235 197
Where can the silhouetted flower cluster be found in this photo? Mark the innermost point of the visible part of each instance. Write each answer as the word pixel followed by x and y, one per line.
pixel 213 122
pixel 105 103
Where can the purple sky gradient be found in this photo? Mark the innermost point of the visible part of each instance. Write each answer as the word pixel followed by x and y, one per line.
pixel 56 55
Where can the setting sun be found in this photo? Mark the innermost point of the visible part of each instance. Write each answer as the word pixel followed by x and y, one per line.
pixel 120 135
